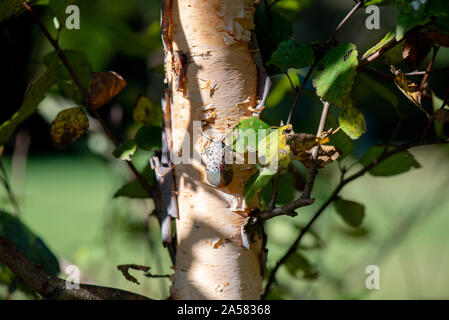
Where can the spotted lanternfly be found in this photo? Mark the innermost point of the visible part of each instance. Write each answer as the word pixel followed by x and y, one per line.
pixel 218 172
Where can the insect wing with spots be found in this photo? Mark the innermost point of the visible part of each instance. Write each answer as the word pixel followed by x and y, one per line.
pixel 218 168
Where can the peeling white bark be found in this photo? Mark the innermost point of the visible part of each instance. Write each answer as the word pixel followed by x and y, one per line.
pixel 219 88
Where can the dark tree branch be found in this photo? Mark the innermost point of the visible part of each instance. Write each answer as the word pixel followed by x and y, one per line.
pixel 343 182
pixel 51 287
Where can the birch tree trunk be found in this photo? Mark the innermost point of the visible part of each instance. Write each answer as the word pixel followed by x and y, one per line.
pixel 213 90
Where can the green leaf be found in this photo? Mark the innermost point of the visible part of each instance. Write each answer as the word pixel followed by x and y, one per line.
pixel 133 190
pixel 33 97
pixel 257 182
pixel 334 74
pixel 291 54
pixel 149 138
pixel 16 232
pixel 286 190
pixel 278 91
pixel 125 150
pixel 396 164
pixel 245 135
pixel 297 262
pixel 146 112
pixel 352 122
pixel 377 2
pixel 351 212
pixel 385 42
pixel 81 67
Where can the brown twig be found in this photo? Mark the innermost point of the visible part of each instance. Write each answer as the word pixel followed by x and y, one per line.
pixel 51 287
pixel 378 54
pixel 421 73
pixel 343 182
pixel 429 68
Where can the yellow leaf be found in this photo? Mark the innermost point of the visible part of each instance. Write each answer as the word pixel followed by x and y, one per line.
pixel 146 112
pixel 408 88
pixel 289 146
pixel 68 125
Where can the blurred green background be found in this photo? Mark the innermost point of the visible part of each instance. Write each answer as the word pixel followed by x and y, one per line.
pixel 65 197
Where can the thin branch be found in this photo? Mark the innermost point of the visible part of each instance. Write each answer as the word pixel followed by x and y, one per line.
pixel 345 19
pixel 274 195
pixel 51 287
pixel 343 182
pixel 313 168
pixel 421 73
pixel 378 54
pixel 429 68
pixel 60 53
pixel 299 93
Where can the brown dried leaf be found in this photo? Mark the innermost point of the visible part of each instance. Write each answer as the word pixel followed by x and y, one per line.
pixel 442 115
pixel 103 87
pixel 416 48
pixel 124 268
pixel 326 155
pixel 68 125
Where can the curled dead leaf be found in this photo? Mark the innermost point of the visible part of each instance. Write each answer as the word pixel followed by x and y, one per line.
pixel 68 125
pixel 124 268
pixel 408 88
pixel 103 87
pixel 301 143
